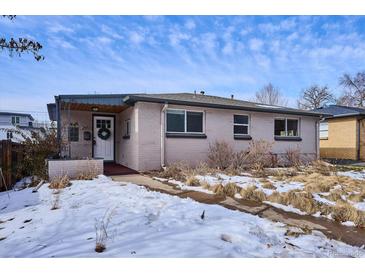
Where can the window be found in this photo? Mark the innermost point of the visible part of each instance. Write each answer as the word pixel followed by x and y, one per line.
pixel 9 135
pixel 240 124
pixel 182 121
pixel 73 134
pixel 15 120
pixel 286 127
pixel 323 130
pixel 127 127
pixel 103 123
pixel 30 124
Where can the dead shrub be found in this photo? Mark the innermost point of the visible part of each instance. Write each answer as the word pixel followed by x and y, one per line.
pixel 292 157
pixel 253 194
pixel 192 181
pixel 60 182
pixel 274 160
pixel 258 156
pixel 231 189
pixel 101 231
pixel 239 162
pixel 220 155
pixel 36 147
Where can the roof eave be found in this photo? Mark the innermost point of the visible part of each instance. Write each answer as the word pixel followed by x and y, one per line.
pixel 132 99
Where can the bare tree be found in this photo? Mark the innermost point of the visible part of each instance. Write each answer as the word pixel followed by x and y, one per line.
pixel 314 97
pixel 20 45
pixel 271 96
pixel 354 90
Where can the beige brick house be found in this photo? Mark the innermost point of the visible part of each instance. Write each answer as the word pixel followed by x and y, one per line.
pixel 148 131
pixel 342 134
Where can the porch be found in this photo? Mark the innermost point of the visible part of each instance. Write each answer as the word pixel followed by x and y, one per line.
pixel 113 169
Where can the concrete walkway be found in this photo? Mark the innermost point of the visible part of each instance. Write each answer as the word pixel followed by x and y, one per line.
pixel 333 230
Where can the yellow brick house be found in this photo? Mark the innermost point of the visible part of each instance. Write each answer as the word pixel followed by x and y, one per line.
pixel 342 133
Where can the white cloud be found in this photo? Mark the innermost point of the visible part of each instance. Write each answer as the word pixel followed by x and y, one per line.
pixel 56 28
pixel 228 48
pixel 190 24
pixel 176 37
pixel 104 40
pixel 256 44
pixel 107 30
pixel 136 37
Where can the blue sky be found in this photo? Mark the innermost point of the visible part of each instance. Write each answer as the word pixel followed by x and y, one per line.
pixel 222 55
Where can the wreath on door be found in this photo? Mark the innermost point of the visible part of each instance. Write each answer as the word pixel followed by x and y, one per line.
pixel 104 133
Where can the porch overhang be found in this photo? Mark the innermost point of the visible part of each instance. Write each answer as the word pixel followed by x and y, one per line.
pixel 109 103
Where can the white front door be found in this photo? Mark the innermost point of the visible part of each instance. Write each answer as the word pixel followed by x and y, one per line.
pixel 104 137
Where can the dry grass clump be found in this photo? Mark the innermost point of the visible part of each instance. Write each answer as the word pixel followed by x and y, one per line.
pixel 231 189
pixel 321 167
pixel 267 184
pixel 192 181
pixel 60 182
pixel 358 197
pixel 335 195
pixel 253 194
pixel 90 173
pixel 299 199
pixel 343 212
pixel 175 171
pixel 218 189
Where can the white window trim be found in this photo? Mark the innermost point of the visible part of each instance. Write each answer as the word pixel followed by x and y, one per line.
pixel 286 126
pixel 321 130
pixel 248 125
pixel 15 118
pixel 185 121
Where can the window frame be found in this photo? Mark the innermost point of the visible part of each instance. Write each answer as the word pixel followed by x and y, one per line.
pixel 326 137
pixel 286 126
pixel 15 120
pixel 69 133
pixel 9 135
pixel 127 127
pixel 248 125
pixel 185 121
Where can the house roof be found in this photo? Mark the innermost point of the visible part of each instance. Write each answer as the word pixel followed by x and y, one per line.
pixel 341 111
pixel 215 102
pixel 17 114
pixel 191 99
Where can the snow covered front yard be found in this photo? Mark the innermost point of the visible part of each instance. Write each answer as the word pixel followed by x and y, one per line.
pixel 145 224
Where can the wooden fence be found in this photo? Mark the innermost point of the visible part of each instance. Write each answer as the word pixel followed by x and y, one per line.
pixel 10 155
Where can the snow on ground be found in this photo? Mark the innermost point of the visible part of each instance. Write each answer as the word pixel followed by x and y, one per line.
pixel 144 224
pixel 357 175
pixel 288 208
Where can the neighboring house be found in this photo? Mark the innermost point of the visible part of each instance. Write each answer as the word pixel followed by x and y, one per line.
pixel 147 131
pixel 10 121
pixel 342 135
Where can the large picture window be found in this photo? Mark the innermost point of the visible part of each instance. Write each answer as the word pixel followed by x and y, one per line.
pixel 286 127
pixel 323 130
pixel 183 121
pixel 240 124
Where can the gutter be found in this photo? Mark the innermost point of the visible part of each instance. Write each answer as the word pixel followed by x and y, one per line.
pixel 130 100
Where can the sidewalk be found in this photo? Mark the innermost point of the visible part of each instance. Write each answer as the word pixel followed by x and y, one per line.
pixel 333 230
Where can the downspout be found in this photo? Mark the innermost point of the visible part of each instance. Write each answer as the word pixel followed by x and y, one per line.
pixel 163 135
pixel 358 125
pixel 318 138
